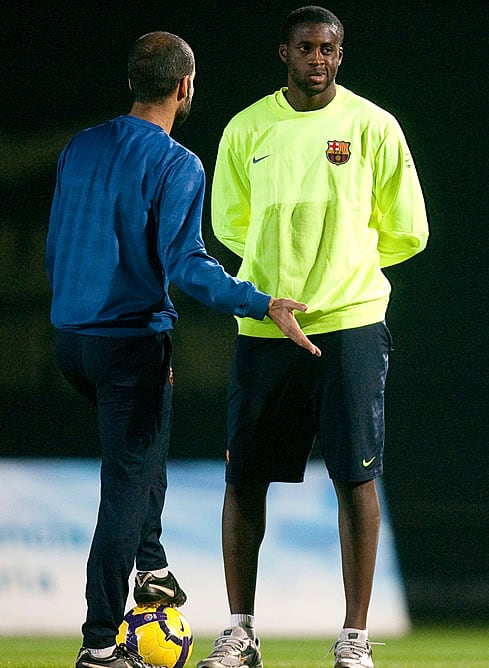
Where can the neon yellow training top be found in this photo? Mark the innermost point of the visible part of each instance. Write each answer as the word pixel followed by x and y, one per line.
pixel 316 203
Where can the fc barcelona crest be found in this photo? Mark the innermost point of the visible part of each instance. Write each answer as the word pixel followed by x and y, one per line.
pixel 338 152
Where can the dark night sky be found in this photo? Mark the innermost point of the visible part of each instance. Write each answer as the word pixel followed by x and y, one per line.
pixel 65 68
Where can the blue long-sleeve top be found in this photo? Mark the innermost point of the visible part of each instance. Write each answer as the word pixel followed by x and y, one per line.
pixel 125 222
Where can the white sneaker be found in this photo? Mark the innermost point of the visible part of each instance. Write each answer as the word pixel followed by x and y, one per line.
pixel 352 650
pixel 234 648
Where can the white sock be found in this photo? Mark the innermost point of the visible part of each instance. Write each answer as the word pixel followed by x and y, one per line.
pixel 102 653
pixel 353 634
pixel 160 572
pixel 247 622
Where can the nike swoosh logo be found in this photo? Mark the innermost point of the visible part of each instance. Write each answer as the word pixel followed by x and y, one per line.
pixel 255 160
pixel 366 464
pixel 165 590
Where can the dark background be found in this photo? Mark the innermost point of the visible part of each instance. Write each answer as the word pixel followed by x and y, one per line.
pixel 64 68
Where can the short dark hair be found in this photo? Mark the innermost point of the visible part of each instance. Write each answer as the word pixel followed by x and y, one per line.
pixel 157 62
pixel 310 14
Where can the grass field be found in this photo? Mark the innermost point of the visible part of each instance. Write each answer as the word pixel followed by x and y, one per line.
pixel 427 647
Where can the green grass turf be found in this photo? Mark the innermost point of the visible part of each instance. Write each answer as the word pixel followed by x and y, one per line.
pixel 427 647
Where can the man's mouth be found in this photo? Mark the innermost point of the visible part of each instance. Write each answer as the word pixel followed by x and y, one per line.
pixel 317 77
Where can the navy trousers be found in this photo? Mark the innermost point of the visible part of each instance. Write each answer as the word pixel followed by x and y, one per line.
pixel 128 380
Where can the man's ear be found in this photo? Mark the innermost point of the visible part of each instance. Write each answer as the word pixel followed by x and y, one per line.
pixel 282 52
pixel 182 88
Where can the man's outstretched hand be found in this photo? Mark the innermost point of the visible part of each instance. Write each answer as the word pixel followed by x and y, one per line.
pixel 281 311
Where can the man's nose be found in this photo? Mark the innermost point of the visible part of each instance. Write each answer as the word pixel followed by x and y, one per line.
pixel 317 56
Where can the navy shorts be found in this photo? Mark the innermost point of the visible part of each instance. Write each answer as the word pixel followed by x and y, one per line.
pixel 282 399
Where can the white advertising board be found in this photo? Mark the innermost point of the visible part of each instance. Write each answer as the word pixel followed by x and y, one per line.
pixel 47 514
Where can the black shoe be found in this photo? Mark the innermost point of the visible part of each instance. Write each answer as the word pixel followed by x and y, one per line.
pixel 121 657
pixel 165 591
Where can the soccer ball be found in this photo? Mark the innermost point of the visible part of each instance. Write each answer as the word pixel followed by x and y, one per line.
pixel 160 634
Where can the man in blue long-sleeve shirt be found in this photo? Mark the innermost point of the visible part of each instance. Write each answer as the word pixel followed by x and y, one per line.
pixel 125 222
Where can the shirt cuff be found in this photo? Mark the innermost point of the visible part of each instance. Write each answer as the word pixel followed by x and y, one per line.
pixel 257 306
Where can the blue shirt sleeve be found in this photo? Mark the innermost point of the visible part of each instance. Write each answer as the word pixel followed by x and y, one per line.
pixel 182 251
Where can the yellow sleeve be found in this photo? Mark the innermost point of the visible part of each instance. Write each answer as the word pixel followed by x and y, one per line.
pixel 230 199
pixel 399 204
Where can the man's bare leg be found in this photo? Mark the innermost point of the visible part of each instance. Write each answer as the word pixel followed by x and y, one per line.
pixel 359 524
pixel 243 528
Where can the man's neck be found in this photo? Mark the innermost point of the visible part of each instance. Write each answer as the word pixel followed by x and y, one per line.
pixel 302 102
pixel 159 114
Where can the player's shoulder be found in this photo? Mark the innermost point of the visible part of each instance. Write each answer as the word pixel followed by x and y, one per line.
pixel 364 104
pixel 180 163
pixel 86 134
pixel 254 112
pixel 117 130
pixel 368 110
pixel 183 156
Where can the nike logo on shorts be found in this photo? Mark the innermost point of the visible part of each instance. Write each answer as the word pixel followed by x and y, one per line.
pixel 366 463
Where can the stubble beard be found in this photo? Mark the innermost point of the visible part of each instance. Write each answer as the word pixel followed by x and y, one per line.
pixel 183 112
pixel 304 85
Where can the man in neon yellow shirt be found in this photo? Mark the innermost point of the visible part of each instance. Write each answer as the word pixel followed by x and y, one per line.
pixel 315 189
